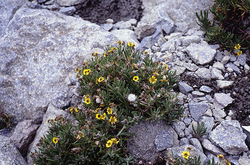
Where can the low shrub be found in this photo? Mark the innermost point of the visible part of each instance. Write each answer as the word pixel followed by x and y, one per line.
pixel 119 88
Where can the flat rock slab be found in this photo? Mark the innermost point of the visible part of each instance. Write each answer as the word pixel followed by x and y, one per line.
pixel 38 55
pixel 229 136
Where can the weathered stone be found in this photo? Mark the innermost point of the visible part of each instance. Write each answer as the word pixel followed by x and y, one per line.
pixel 243 160
pixel 177 151
pixel 185 88
pixel 203 73
pixel 233 67
pixel 23 135
pixel 179 128
pixel 224 84
pixel 197 110
pixel 67 10
pixel 150 138
pixel 8 9
pixel 184 141
pixel 201 53
pixel 179 70
pixel 38 56
pixel 246 130
pixel 225 59
pixel 9 155
pixel 51 113
pixel 190 66
pixel 229 136
pixel 221 100
pixel 242 59
pixel 206 89
pixel 171 45
pixel 218 114
pixel 187 40
pixel 208 123
pixel 216 74
pixel 212 148
pixel 144 30
pixel 197 94
pixel 196 143
pixel 219 65
pixel 70 2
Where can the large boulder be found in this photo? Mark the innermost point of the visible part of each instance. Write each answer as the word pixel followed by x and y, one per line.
pixel 9 155
pixel 38 55
pixel 181 12
pixel 7 10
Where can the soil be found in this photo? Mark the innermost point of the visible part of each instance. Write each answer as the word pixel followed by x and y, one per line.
pixel 239 91
pixel 98 11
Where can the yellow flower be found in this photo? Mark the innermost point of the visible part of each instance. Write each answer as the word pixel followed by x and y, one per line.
pixel 135 78
pixel 80 135
pixel 156 74
pixel 130 44
pixel 71 110
pixel 237 47
pixel 133 65
pixel 105 54
pixel 98 116
pixel 220 156
pixel 119 42
pixel 98 109
pixel 112 119
pixel 185 154
pixel 109 143
pixel 86 96
pixel 86 71
pixel 55 140
pixel 87 100
pixel 152 80
pixel 103 116
pixel 76 69
pixel 239 53
pixel 166 67
pixel 109 110
pixel 146 52
pixel 227 162
pixel 114 140
pixel 77 110
pixel 100 79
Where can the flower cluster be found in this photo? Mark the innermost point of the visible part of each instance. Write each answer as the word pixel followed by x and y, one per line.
pixel 118 89
pixel 237 49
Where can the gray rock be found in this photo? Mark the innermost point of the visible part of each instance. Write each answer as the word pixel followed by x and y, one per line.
pixel 187 121
pixel 197 94
pixel 194 152
pixel 8 9
pixel 144 30
pixel 70 2
pixel 196 143
pixel 67 10
pixel 216 74
pixel 208 122
pixel 107 26
pixel 41 1
pixel 206 89
pixel 218 114
pixel 243 160
pixel 229 136
pixel 23 135
pixel 225 59
pixel 179 70
pixel 191 67
pixel 197 110
pixel 185 88
pixel 246 68
pixel 233 67
pixel 218 56
pixel 201 53
pixel 212 148
pixel 38 55
pixel 184 141
pixel 187 40
pixel 171 45
pixel 224 84
pixel 242 59
pixel 246 130
pixel 203 73
pixel 149 138
pixel 221 100
pixel 179 128
pixel 219 65
pixel 9 155
pixel 51 113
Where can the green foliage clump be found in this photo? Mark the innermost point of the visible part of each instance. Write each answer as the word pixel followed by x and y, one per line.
pixel 229 27
pixel 199 131
pixel 118 89
pixel 6 121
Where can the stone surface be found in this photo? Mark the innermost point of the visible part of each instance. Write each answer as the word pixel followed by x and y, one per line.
pixel 224 84
pixel 144 30
pixel 229 136
pixel 179 128
pixel 185 88
pixel 23 135
pixel 38 55
pixel 201 53
pixel 221 100
pixel 197 110
pixel 51 113
pixel 212 148
pixel 7 9
pixel 150 138
pixel 70 2
pixel 194 152
pixel 9 155
pixel 196 143
pixel 203 73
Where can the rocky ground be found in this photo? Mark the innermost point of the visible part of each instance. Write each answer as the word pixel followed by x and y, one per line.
pixel 42 41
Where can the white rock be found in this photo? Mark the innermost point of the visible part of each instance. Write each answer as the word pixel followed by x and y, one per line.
pixel 224 84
